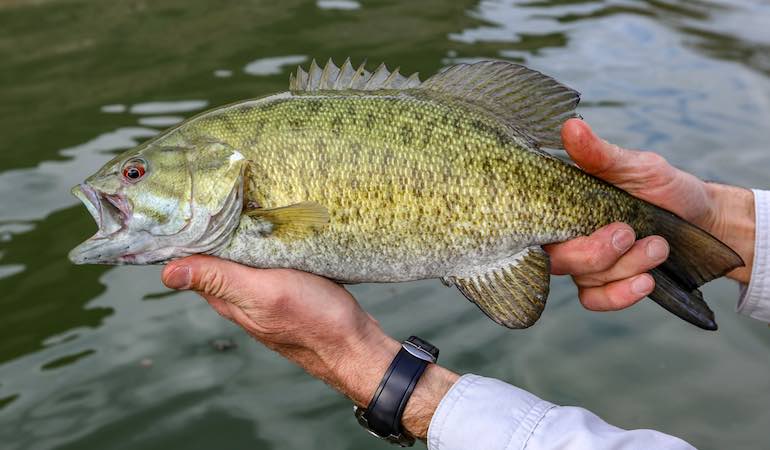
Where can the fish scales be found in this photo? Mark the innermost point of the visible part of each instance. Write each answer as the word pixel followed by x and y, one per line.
pixel 414 186
pixel 376 177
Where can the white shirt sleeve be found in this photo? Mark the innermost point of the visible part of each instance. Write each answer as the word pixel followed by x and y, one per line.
pixel 488 414
pixel 755 298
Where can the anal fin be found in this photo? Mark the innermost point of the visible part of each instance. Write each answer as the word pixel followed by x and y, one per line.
pixel 513 291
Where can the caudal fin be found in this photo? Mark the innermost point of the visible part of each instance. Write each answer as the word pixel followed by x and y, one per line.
pixel 696 257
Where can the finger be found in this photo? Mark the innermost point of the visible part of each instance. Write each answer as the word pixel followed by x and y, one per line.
pixel 221 279
pixel 626 168
pixel 589 254
pixel 645 255
pixel 594 155
pixel 618 294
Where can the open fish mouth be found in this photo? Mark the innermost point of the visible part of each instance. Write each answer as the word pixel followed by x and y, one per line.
pixel 112 243
pixel 111 212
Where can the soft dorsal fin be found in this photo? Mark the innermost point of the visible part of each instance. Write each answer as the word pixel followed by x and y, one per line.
pixel 532 103
pixel 346 77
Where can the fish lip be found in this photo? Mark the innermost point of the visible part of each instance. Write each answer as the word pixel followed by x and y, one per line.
pixel 87 195
pixel 112 243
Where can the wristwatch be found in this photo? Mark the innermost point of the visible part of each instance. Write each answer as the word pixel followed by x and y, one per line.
pixel 382 418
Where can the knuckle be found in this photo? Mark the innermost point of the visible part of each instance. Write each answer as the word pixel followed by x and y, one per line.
pixel 595 257
pixel 590 280
pixel 651 159
pixel 213 282
pixel 620 296
pixel 621 226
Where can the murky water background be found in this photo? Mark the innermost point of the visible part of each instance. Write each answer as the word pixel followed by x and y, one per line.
pixel 106 358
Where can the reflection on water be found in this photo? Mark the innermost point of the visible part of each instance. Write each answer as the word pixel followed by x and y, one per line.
pixel 100 357
pixel 338 4
pixel 274 66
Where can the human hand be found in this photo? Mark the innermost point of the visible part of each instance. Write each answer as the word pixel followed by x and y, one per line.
pixel 313 322
pixel 610 267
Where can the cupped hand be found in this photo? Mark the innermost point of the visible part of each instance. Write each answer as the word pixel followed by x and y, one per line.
pixel 306 318
pixel 313 322
pixel 610 266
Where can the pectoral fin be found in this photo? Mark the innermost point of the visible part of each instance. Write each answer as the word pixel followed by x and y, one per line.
pixel 513 291
pixel 301 217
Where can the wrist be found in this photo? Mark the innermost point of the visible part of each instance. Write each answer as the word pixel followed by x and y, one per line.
pixel 366 365
pixel 432 387
pixel 352 362
pixel 734 223
pixel 367 360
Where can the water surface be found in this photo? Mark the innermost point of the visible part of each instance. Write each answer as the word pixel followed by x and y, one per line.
pixel 106 358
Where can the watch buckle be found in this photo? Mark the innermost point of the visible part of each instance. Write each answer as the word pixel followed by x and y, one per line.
pixel 402 439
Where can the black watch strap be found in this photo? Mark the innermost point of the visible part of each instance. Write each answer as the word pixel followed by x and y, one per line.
pixel 383 415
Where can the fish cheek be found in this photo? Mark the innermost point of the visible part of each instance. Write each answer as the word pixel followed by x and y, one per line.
pixel 161 200
pixel 161 209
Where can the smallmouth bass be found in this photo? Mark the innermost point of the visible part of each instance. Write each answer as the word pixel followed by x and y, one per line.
pixel 376 177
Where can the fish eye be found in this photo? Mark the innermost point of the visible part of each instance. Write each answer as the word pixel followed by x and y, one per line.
pixel 134 170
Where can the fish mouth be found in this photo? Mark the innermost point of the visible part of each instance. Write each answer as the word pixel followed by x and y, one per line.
pixel 112 243
pixel 110 211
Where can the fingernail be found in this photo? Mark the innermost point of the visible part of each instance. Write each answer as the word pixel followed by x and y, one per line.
pixel 642 284
pixel 179 278
pixel 657 249
pixel 623 239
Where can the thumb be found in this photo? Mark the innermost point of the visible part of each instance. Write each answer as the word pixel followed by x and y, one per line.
pixel 207 275
pixel 592 154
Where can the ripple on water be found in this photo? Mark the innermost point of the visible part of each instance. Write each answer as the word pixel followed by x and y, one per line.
pixel 160 121
pixel 273 65
pixel 180 106
pixel 347 5
pixel 113 109
pixel 223 73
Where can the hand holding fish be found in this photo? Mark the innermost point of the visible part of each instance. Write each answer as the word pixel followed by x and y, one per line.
pixel 609 267
pixel 313 322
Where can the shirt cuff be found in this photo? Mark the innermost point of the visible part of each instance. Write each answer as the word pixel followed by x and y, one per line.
pixel 755 298
pixel 470 414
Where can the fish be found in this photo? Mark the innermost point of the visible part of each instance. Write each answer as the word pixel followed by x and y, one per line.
pixel 362 176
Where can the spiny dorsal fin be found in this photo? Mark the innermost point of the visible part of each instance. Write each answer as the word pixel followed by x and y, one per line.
pixel 346 77
pixel 532 103
pixel 513 291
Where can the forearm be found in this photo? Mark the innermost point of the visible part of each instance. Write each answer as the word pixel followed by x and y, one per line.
pixel 356 368
pixel 734 223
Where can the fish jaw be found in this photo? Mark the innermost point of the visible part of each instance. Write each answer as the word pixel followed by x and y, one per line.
pixel 122 247
pixel 113 243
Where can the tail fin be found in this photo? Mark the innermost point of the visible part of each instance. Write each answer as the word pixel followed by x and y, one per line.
pixel 695 257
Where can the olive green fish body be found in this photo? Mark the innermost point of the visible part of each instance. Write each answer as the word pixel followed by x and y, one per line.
pixel 415 186
pixel 375 177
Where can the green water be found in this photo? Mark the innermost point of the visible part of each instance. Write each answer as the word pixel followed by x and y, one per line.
pixel 105 358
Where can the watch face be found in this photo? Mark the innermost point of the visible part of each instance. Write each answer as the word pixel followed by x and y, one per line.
pixel 421 349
